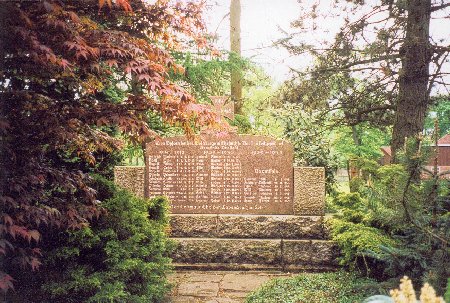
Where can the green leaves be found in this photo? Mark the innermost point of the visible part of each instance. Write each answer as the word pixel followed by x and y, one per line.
pixel 358 241
pixel 308 134
pixel 331 287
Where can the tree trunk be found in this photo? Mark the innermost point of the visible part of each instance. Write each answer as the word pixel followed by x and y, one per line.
pixel 413 99
pixel 356 138
pixel 235 43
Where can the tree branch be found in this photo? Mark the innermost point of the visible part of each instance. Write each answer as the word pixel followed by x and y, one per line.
pixel 365 61
pixel 433 78
pixel 439 7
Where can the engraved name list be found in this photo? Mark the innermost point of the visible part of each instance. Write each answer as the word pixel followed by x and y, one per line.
pixel 234 174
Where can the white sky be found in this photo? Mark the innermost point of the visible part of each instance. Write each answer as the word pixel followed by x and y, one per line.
pixel 259 28
pixel 260 23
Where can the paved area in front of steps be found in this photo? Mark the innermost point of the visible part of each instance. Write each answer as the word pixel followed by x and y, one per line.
pixel 217 286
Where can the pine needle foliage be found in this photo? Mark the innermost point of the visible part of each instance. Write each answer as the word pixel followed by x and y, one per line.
pixel 397 223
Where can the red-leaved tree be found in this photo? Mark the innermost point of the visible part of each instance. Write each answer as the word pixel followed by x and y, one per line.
pixel 58 56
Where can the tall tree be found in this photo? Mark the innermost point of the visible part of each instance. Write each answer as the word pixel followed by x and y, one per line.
pixel 387 45
pixel 413 80
pixel 235 47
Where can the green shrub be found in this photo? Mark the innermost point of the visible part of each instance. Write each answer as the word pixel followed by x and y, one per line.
pixel 395 225
pixel 121 257
pixel 350 207
pixel 348 200
pixel 356 241
pixel 331 287
pixel 356 184
pixel 368 167
pixel 243 124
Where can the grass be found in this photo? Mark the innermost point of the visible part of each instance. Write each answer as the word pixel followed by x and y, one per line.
pixel 331 287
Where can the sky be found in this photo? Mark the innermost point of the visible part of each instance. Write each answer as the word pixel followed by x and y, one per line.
pixel 261 21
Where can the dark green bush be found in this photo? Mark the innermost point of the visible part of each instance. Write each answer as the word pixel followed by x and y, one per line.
pixel 121 257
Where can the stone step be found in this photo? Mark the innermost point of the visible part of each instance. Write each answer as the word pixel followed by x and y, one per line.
pixel 253 267
pixel 266 253
pixel 247 226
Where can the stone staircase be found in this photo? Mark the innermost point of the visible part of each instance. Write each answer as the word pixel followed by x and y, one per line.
pixel 245 242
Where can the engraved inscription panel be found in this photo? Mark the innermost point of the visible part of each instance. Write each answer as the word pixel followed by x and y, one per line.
pixel 236 174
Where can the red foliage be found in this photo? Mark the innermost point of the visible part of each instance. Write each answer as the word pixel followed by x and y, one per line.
pixel 58 56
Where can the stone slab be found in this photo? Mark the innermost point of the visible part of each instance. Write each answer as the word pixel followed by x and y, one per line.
pixel 247 226
pixel 222 300
pixel 207 253
pixel 309 252
pixel 308 188
pixel 237 295
pixel 204 277
pixel 247 251
pixel 274 227
pixel 232 174
pixel 238 282
pixel 183 299
pixel 296 252
pixel 198 289
pixel 130 178
pixel 288 268
pixel 226 266
pixel 234 286
pixel 324 252
pixel 193 225
pixel 309 191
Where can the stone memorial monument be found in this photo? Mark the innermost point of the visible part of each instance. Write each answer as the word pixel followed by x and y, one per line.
pixel 237 201
pixel 228 175
pixel 236 174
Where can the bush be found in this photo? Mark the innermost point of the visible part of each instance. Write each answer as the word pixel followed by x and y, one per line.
pixel 358 241
pixel 395 225
pixel 332 287
pixel 121 257
pixel 355 184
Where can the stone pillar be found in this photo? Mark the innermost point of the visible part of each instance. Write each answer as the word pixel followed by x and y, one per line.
pixel 130 178
pixel 309 191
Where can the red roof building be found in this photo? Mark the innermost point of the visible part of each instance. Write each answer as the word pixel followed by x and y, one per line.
pixel 443 158
pixel 444 141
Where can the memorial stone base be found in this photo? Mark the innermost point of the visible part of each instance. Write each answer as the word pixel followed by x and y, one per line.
pixel 239 242
pixel 282 242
